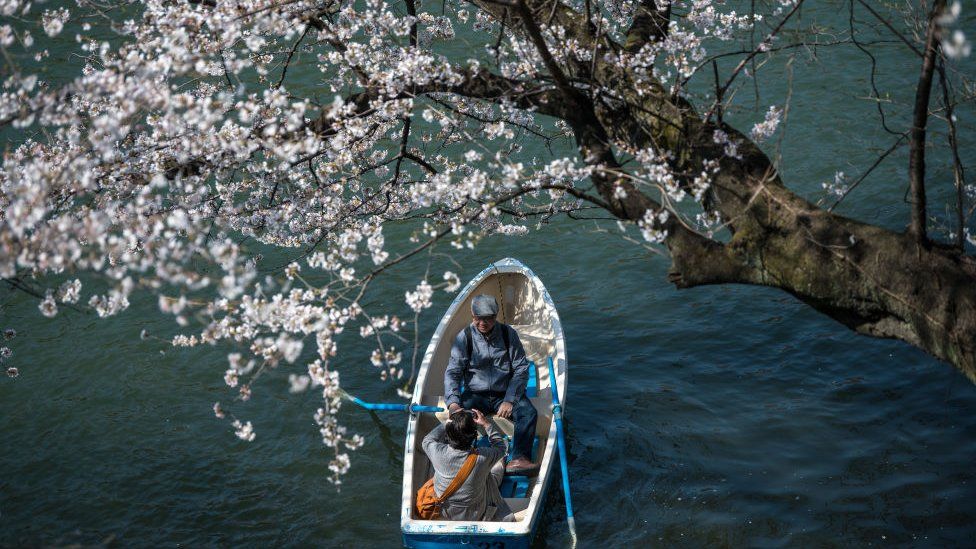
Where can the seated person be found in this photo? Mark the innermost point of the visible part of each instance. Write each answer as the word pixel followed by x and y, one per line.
pixel 448 446
pixel 489 357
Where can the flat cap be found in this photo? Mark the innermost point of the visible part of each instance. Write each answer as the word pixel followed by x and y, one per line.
pixel 484 305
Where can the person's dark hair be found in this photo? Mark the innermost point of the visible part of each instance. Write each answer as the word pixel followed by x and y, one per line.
pixel 461 430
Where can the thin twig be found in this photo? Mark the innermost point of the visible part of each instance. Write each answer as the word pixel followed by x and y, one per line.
pixel 284 70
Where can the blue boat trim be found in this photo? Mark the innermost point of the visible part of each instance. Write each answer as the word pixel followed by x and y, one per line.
pixel 557 414
pixel 514 486
pixel 532 385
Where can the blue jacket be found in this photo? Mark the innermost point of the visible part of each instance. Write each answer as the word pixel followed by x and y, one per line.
pixel 489 368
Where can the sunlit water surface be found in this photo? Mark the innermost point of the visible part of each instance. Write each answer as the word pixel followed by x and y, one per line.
pixel 720 416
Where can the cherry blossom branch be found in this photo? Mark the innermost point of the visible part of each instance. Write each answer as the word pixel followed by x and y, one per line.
pixel 540 44
pixel 756 51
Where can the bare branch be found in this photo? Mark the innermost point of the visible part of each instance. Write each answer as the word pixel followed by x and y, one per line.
pixel 916 162
pixel 894 31
pixel 877 162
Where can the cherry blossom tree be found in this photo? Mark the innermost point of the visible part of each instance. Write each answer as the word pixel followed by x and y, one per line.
pixel 202 140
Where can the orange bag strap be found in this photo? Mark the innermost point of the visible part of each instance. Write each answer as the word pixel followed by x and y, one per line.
pixel 460 477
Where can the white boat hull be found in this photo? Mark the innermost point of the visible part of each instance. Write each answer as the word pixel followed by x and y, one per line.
pixel 526 305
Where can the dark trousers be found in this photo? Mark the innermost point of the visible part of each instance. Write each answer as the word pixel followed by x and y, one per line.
pixel 524 417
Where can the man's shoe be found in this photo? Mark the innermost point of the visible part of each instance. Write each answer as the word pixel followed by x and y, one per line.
pixel 520 465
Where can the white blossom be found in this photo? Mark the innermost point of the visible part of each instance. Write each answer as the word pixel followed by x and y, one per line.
pixel 231 377
pixel 763 130
pixel 53 21
pixel 298 383
pixel 6 35
pixel 957 46
pixel 339 466
pixel 651 226
pixel 419 299
pixel 10 7
pixel 729 143
pixel 950 15
pixel 47 306
pixel 838 187
pixel 453 281
pixel 70 291
pixel 244 431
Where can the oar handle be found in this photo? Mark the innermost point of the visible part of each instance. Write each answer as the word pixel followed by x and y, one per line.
pixel 412 408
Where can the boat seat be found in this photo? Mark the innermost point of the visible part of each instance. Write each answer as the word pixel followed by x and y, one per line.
pixel 514 486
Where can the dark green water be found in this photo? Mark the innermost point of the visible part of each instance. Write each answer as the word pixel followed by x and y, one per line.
pixel 725 416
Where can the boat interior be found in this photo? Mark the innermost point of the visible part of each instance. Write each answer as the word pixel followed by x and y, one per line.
pixel 521 305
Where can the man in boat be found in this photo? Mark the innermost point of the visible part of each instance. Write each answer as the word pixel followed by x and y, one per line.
pixel 448 446
pixel 488 356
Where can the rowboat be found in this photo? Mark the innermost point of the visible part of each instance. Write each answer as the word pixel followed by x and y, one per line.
pixel 525 304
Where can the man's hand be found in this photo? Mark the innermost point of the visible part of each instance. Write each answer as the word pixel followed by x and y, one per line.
pixel 454 407
pixel 479 418
pixel 505 410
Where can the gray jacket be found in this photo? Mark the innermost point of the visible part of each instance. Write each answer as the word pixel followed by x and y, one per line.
pixel 478 498
pixel 490 368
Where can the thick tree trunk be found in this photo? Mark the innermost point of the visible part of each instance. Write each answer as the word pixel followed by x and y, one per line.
pixel 875 281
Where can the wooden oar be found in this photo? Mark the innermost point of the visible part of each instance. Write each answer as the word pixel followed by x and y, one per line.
pixel 386 407
pixel 557 414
